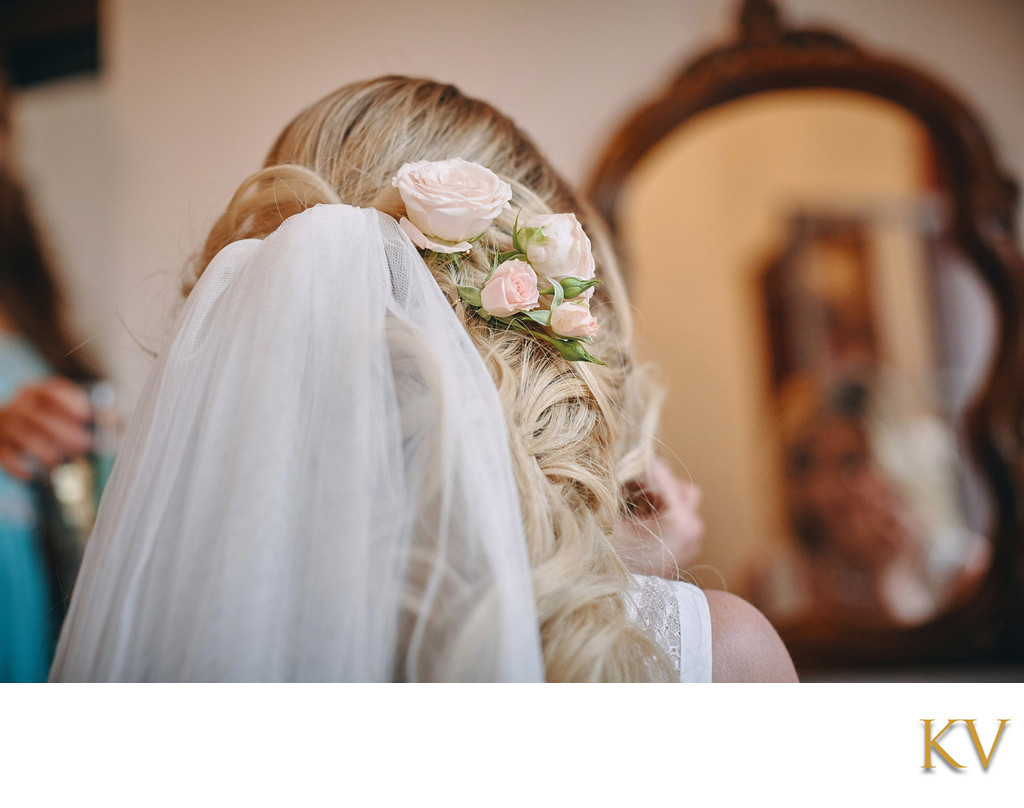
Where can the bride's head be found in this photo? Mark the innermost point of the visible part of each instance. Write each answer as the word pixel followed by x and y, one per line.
pixel 571 431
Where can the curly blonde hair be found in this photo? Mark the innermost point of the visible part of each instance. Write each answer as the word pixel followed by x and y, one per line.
pixel 571 426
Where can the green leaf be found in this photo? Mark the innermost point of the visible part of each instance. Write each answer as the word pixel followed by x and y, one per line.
pixel 470 294
pixel 558 296
pixel 501 258
pixel 515 232
pixel 541 316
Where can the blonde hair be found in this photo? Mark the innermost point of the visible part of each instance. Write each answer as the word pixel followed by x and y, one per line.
pixel 569 428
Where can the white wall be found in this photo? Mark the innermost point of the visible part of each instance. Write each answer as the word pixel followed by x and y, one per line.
pixel 65 156
pixel 129 171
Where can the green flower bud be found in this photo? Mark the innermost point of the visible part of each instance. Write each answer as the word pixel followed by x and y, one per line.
pixel 575 287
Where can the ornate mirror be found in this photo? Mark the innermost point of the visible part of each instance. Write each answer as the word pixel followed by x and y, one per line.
pixel 824 256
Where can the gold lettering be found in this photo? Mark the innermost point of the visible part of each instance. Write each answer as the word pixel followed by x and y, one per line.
pixel 933 743
pixel 977 741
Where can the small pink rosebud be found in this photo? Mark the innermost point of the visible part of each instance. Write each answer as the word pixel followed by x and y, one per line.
pixel 512 288
pixel 573 320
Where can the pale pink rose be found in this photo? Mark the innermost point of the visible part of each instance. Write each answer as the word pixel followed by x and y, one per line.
pixel 561 250
pixel 451 201
pixel 512 288
pixel 573 320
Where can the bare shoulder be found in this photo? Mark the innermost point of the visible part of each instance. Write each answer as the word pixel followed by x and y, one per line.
pixel 745 647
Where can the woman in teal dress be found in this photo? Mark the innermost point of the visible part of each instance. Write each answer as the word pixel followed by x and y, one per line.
pixel 26 632
pixel 43 420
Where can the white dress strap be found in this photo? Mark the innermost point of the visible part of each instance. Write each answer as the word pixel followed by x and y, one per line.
pixel 695 628
pixel 677 616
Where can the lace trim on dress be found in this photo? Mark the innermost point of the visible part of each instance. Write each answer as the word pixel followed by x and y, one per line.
pixel 658 613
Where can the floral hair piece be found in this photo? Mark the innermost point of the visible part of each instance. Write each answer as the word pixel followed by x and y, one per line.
pixel 541 287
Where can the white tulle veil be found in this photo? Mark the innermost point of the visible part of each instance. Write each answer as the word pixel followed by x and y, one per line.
pixel 315 485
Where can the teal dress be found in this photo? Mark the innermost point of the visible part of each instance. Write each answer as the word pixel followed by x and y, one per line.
pixel 27 635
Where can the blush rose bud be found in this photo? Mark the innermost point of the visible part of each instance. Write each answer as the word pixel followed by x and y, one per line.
pixel 573 320
pixel 512 288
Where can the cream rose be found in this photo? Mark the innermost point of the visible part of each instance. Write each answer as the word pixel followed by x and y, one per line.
pixel 561 249
pixel 512 288
pixel 450 202
pixel 573 320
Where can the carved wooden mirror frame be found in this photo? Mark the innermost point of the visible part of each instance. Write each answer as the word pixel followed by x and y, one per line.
pixel 769 56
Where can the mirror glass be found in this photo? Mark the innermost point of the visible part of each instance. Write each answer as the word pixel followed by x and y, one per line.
pixel 820 339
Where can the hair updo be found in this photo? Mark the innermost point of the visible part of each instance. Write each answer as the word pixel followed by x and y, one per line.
pixel 572 427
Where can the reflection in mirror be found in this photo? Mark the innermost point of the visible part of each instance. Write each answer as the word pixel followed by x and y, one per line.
pixel 820 339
